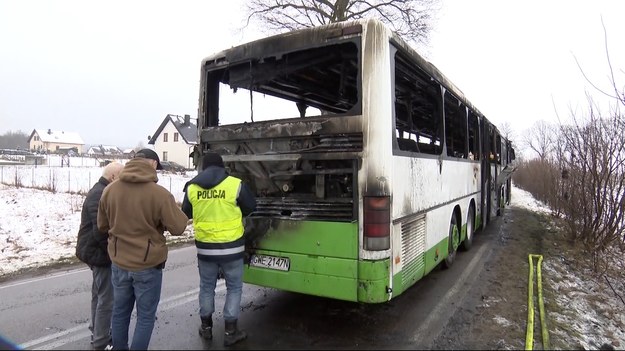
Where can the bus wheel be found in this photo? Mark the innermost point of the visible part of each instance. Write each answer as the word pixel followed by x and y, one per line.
pixel 453 242
pixel 468 241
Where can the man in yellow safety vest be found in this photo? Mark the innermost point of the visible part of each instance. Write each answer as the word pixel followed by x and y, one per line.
pixel 217 202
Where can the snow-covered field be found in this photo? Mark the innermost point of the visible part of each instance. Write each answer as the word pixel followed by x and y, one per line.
pixel 38 226
pixel 78 178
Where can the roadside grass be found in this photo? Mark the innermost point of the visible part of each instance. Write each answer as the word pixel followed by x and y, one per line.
pixel 570 282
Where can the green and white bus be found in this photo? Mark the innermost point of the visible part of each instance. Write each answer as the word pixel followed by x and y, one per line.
pixel 369 166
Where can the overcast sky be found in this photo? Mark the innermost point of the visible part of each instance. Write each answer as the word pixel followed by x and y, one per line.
pixel 111 71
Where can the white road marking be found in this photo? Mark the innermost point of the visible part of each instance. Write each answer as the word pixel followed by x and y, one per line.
pixel 80 332
pixel 446 300
pixel 34 280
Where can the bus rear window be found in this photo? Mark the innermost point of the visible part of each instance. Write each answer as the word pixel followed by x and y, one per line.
pixel 312 82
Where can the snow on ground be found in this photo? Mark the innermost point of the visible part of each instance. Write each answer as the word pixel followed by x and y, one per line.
pixel 588 307
pixel 38 227
pixel 523 199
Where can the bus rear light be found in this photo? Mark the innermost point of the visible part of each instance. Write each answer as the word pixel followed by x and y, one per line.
pixel 377 222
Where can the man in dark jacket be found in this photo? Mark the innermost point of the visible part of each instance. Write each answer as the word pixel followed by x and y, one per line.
pixel 91 248
pixel 217 203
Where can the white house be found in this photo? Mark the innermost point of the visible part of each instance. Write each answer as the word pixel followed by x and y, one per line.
pixel 174 139
pixel 57 141
pixel 104 150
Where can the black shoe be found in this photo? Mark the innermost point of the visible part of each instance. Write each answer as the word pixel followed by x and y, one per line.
pixel 206 332
pixel 234 337
pixel 206 329
pixel 232 334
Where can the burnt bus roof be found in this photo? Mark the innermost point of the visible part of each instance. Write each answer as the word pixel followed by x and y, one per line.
pixel 283 43
pixel 279 44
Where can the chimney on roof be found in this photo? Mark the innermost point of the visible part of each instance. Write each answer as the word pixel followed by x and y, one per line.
pixel 49 131
pixel 187 120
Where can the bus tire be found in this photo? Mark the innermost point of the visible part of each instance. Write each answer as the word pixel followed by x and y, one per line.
pixel 468 241
pixel 452 242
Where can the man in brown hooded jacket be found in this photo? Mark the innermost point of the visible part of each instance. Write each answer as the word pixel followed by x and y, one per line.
pixel 135 211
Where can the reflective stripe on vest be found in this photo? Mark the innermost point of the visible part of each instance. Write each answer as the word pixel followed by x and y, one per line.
pixel 216 216
pixel 220 252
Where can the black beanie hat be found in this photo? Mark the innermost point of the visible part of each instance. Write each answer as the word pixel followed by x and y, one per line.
pixel 212 159
pixel 149 154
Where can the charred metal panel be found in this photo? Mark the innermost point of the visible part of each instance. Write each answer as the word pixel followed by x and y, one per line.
pixel 311 189
pixel 282 128
pixel 299 177
pixel 299 168
pixel 280 44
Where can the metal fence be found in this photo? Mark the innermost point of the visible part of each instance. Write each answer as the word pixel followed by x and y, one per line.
pixel 77 179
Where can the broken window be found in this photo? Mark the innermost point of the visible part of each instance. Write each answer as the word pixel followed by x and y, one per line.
pixel 274 111
pixel 418 119
pixel 474 136
pixel 455 127
pixel 495 146
pixel 311 82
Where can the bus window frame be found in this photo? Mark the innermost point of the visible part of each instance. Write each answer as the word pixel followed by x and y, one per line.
pixel 211 71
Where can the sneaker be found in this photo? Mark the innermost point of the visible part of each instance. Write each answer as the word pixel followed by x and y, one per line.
pixel 108 347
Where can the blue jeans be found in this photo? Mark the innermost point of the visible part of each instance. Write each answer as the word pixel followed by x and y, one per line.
pixel 233 272
pixel 144 288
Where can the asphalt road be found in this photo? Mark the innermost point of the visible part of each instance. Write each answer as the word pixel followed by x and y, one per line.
pixel 51 311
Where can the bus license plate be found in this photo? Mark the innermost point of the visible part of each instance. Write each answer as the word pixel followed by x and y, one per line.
pixel 271 262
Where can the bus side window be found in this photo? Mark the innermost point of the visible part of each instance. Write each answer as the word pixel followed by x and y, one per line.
pixel 456 140
pixel 418 119
pixel 474 136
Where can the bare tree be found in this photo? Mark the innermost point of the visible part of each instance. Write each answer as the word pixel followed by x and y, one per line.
pixel 593 153
pixel 541 178
pixel 540 138
pixel 507 132
pixel 581 170
pixel 409 18
pixel 139 146
pixel 14 140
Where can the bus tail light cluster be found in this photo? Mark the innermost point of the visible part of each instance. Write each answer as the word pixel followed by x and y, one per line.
pixel 377 222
